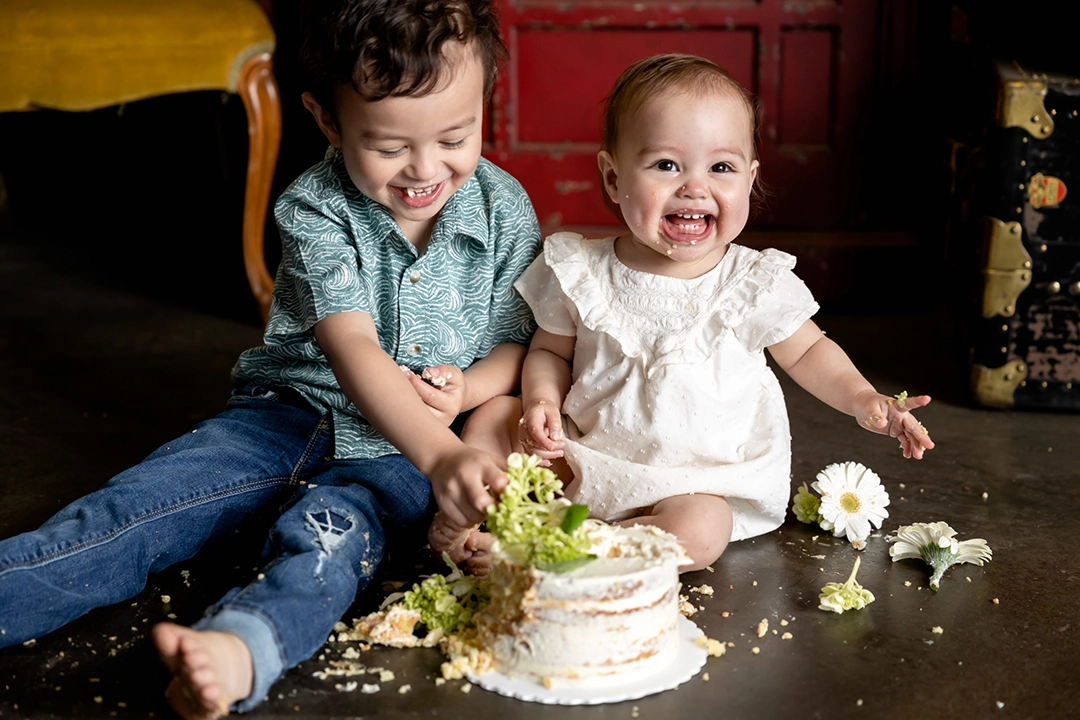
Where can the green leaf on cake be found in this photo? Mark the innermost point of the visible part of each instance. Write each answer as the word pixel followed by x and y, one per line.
pixel 573 517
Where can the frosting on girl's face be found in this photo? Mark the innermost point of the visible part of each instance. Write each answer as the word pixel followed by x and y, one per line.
pixel 681 173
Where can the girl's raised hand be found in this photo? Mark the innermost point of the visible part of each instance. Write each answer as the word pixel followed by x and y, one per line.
pixel 892 416
pixel 540 431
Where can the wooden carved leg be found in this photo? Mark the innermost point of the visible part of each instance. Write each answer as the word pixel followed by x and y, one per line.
pixel 259 91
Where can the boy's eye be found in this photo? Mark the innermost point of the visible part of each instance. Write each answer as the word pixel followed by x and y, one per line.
pixel 454 144
pixel 391 153
pixel 666 166
pixel 721 168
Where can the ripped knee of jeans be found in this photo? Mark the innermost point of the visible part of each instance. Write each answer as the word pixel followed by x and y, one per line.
pixel 330 528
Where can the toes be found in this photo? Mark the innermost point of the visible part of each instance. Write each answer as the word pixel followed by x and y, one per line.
pixel 479 564
pixel 479 542
pixel 167 641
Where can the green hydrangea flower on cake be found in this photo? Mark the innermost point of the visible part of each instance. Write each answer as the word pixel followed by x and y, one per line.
pixel 447 602
pixel 534 523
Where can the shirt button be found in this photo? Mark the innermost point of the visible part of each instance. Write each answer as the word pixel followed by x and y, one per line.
pixel 413 350
pixel 414 276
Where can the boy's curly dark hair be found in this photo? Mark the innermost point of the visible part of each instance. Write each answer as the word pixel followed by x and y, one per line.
pixel 384 48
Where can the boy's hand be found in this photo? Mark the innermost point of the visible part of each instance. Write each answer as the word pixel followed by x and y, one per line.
pixel 465 484
pixel 891 416
pixel 540 431
pixel 442 388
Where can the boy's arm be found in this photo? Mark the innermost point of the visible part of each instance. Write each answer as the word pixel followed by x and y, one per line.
pixel 454 391
pixel 498 373
pixel 460 476
pixel 824 370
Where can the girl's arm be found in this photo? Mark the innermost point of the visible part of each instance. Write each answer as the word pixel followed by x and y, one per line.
pixel 498 373
pixel 824 370
pixel 545 380
pixel 460 476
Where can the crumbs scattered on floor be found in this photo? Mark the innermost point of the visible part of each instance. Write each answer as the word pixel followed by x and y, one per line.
pixel 714 648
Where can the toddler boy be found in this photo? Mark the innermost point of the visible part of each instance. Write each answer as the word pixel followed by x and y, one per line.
pixel 399 253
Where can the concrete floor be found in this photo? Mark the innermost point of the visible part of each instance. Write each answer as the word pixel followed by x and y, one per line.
pixel 93 376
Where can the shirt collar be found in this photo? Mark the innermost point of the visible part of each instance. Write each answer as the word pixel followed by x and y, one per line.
pixel 458 216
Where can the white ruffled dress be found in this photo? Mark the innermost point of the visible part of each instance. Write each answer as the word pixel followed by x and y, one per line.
pixel 671 393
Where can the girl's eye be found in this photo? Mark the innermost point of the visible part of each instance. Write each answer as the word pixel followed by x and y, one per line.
pixel 455 144
pixel 666 166
pixel 391 153
pixel 721 168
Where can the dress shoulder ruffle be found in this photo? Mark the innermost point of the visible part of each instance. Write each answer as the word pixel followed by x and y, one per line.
pixel 588 272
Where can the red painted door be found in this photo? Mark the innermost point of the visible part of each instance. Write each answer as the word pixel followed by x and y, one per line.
pixel 811 62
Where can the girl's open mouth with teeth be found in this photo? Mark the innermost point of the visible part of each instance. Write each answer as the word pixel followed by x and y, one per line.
pixel 687 227
pixel 418 197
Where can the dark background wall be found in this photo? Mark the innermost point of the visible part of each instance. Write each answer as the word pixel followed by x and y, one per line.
pixel 149 195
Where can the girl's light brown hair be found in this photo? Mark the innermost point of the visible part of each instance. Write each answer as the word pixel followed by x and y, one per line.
pixel 690 74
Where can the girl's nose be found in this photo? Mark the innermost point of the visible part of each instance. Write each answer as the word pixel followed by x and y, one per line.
pixel 691 189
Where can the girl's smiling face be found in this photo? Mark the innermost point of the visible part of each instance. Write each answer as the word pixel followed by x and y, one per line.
pixel 681 173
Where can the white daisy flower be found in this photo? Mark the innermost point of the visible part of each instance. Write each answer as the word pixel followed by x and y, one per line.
pixel 852 500
pixel 936 544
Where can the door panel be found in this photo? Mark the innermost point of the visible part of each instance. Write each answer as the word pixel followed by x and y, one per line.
pixel 811 63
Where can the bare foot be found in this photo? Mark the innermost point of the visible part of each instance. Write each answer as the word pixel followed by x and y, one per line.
pixel 446 537
pixel 211 670
pixel 479 545
pixel 465 546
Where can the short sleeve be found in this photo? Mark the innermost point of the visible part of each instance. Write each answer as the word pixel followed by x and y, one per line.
pixel 517 240
pixel 777 313
pixel 319 274
pixel 553 310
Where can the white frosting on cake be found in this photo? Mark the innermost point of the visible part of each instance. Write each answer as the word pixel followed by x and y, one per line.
pixel 605 622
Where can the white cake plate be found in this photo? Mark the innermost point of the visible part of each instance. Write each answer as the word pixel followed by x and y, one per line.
pixel 689 660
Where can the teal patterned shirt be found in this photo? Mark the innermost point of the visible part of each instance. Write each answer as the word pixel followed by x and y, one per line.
pixel 342 252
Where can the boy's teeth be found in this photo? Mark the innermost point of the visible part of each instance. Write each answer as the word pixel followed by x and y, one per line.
pixel 413 192
pixel 687 216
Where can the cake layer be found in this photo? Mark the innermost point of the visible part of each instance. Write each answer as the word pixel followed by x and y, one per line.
pixel 616 616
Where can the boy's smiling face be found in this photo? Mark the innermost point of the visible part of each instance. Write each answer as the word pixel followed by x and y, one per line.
pixel 681 174
pixel 410 154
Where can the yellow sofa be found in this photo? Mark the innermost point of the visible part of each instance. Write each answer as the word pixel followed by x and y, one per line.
pixel 88 54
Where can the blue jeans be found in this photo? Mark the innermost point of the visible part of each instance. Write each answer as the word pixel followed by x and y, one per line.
pixel 263 452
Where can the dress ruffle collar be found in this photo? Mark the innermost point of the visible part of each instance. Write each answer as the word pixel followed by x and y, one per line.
pixel 589 273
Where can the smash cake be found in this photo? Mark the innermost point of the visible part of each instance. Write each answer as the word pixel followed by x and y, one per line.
pixel 568 602
pixel 609 620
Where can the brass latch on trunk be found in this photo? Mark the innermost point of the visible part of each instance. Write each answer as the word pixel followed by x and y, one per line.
pixel 1007 270
pixel 1021 102
pixel 995 387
